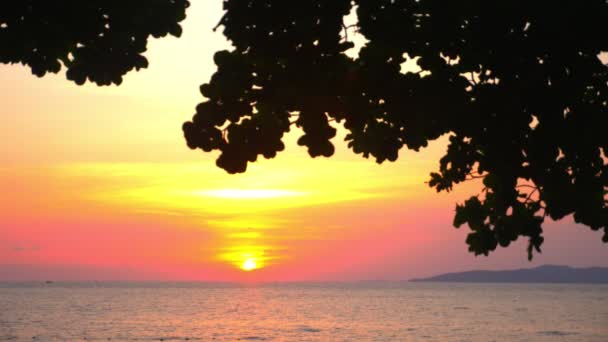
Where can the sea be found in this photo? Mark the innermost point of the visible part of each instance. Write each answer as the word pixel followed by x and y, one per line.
pixel 366 311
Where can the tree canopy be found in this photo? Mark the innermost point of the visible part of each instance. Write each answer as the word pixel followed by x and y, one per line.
pixel 98 40
pixel 516 85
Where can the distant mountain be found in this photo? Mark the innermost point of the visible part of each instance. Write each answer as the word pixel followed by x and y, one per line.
pixel 542 274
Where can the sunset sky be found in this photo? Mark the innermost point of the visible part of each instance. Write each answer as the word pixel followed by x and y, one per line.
pixel 98 184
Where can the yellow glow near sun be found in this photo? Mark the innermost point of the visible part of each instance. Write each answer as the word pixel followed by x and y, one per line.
pixel 245 213
pixel 249 265
pixel 249 193
pixel 200 189
pixel 249 257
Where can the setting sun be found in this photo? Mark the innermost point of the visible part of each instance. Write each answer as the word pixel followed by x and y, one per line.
pixel 249 265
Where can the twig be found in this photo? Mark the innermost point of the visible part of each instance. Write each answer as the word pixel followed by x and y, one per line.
pixel 222 19
pixel 345 32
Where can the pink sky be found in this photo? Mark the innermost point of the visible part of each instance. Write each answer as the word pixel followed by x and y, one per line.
pixel 98 184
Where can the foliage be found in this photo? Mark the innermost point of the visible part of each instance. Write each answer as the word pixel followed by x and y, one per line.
pixel 98 40
pixel 517 85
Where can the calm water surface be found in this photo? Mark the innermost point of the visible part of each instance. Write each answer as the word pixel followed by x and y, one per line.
pixel 304 312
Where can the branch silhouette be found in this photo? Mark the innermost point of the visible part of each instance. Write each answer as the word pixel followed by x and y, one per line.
pixel 98 40
pixel 517 85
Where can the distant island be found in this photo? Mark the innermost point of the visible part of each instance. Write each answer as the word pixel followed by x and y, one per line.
pixel 541 274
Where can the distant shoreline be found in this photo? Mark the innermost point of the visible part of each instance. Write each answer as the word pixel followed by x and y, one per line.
pixel 549 274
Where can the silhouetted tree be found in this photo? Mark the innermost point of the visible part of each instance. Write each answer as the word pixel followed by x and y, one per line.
pixel 98 40
pixel 517 85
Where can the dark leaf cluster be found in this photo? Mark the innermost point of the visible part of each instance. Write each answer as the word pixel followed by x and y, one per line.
pixel 98 40
pixel 517 85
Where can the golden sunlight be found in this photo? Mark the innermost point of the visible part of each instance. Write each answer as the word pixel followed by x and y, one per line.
pixel 250 193
pixel 245 214
pixel 249 265
pixel 250 256
pixel 200 189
